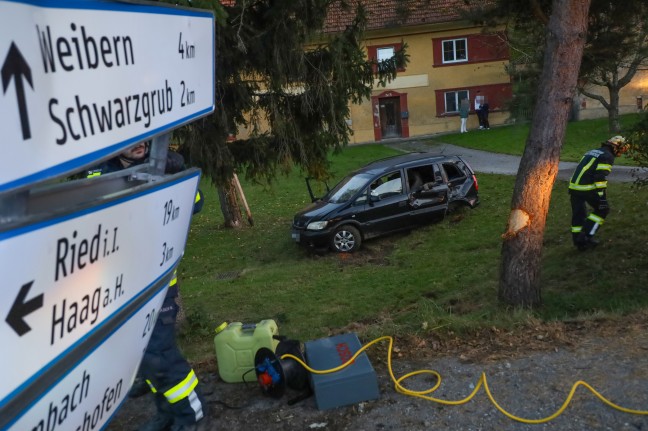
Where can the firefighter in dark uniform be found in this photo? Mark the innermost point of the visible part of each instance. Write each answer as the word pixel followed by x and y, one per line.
pixel 588 186
pixel 178 399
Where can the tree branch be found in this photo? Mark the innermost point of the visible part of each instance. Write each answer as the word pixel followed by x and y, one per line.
pixel 594 96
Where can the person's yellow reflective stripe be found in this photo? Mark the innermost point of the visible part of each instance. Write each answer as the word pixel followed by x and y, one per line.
pixel 151 386
pixel 197 198
pixel 579 187
pixel 93 174
pixel 595 218
pixel 576 229
pixel 182 389
pixel 600 184
pixel 604 167
pixel 174 280
pixel 585 169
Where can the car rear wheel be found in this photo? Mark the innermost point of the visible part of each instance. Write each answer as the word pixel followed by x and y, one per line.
pixel 346 239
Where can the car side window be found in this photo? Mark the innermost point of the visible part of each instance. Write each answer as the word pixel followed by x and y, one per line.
pixel 387 185
pixel 421 177
pixel 453 172
pixel 362 199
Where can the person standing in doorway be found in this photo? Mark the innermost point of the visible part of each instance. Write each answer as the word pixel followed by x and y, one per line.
pixel 464 109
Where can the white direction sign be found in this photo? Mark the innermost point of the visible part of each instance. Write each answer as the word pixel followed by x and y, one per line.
pixel 64 277
pixel 84 79
pixel 90 394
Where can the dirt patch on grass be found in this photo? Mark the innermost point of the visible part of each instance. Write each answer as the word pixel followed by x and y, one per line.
pixel 493 344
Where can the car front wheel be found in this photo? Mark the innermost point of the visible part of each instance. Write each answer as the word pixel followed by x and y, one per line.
pixel 346 239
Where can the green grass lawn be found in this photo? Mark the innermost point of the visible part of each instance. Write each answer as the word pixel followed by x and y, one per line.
pixel 580 137
pixel 442 277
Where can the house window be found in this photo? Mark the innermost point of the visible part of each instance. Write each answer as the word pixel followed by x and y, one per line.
pixel 383 53
pixel 455 50
pixel 452 99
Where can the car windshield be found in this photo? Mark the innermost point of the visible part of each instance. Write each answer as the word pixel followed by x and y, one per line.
pixel 347 188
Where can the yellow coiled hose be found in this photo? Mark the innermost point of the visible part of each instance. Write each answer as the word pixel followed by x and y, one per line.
pixel 482 382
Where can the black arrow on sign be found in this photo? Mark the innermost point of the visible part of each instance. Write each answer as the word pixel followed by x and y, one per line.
pixel 20 309
pixel 15 66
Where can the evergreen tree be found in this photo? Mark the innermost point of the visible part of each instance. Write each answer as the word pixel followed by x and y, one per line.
pixel 524 24
pixel 638 137
pixel 289 84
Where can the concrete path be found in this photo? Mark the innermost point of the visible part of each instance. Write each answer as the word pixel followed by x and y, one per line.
pixel 494 163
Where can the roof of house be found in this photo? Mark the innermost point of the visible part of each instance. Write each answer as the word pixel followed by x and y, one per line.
pixel 391 13
pixel 396 13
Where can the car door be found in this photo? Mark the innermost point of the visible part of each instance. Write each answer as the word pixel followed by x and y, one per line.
pixel 387 208
pixel 456 178
pixel 428 196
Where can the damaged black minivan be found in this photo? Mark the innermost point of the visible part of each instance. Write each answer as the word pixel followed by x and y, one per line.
pixel 388 195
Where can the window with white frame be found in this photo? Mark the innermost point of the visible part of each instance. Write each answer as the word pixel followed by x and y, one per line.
pixel 383 54
pixel 452 100
pixel 455 50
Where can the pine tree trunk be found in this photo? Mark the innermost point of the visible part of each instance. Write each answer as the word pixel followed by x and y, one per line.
pixel 229 205
pixel 522 246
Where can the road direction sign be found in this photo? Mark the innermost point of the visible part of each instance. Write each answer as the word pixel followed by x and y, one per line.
pixel 89 395
pixel 84 79
pixel 65 277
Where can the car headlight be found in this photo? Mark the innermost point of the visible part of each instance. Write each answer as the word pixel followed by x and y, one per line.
pixel 317 225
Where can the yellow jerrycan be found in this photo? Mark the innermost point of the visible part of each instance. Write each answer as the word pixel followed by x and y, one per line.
pixel 237 343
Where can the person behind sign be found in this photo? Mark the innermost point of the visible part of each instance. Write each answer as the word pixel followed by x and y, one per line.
pixel 177 391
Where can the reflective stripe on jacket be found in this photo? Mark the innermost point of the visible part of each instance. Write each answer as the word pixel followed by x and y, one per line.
pixel 592 170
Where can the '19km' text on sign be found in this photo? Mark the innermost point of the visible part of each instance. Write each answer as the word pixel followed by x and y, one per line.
pixel 62 278
pixel 85 79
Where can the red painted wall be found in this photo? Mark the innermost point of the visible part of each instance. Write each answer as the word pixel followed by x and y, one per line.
pixel 481 47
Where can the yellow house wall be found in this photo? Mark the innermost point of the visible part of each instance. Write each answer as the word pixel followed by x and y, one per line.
pixel 421 79
pixel 628 103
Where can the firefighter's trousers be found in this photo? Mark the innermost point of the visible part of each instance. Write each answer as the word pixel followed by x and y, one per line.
pixel 582 221
pixel 171 378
